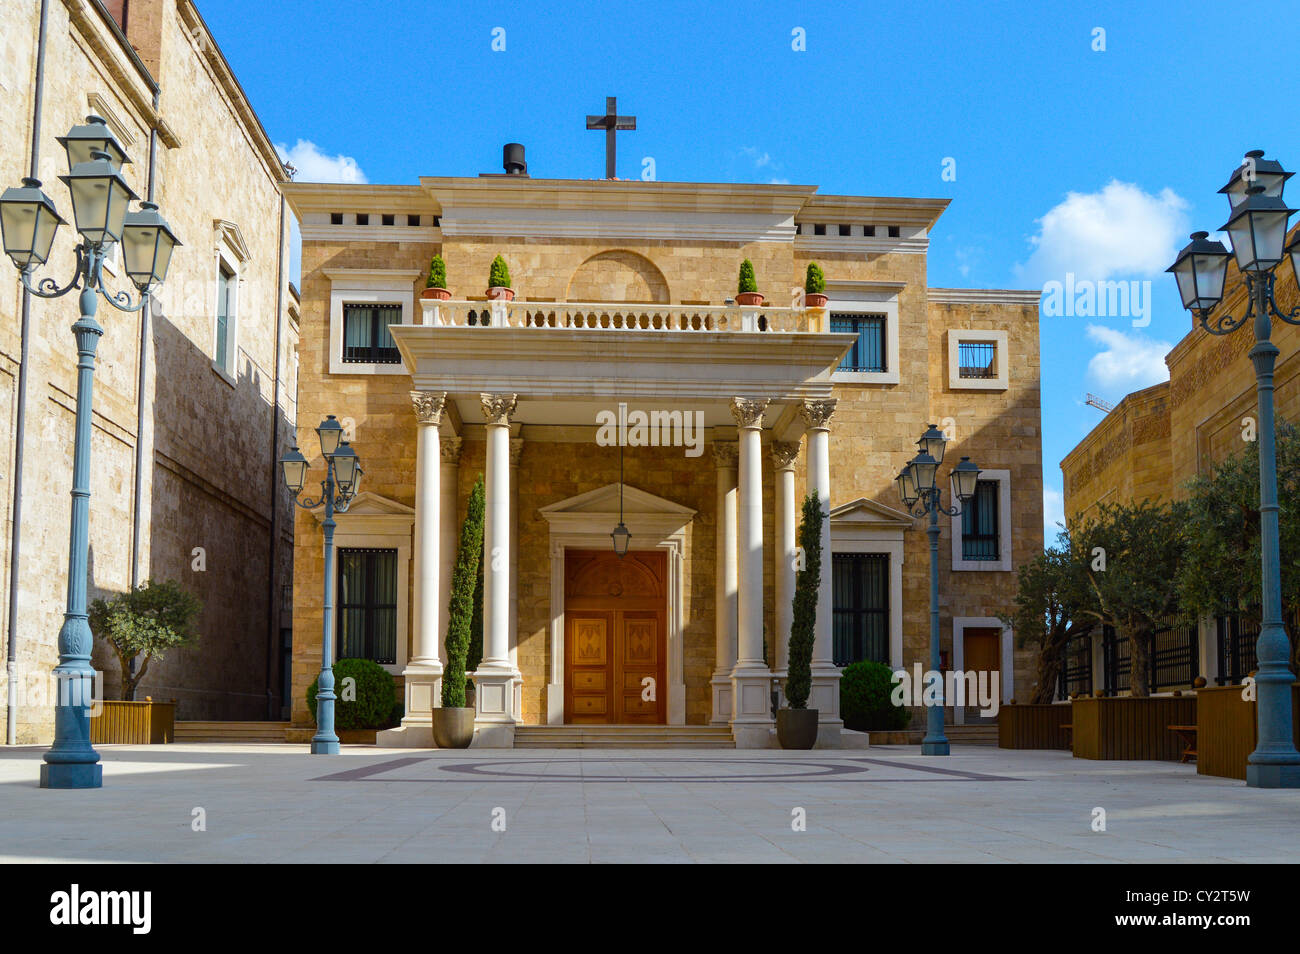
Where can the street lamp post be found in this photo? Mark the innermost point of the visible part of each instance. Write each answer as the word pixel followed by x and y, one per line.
pixel 29 221
pixel 919 490
pixel 1257 229
pixel 342 479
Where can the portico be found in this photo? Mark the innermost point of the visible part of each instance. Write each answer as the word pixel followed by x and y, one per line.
pixel 758 394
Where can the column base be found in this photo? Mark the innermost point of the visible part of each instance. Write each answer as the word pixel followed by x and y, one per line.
pixel 751 694
pixel 406 736
pixel 422 692
pixel 825 696
pixel 720 692
pixel 754 735
pixel 1272 775
pixel 72 775
pixel 495 712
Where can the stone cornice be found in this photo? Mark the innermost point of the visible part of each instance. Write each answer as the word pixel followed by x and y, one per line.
pixel 982 296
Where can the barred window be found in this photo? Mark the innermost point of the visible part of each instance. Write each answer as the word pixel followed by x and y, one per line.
pixel 367 605
pixel 860 601
pixel 365 334
pixel 979 524
pixel 868 352
pixel 976 359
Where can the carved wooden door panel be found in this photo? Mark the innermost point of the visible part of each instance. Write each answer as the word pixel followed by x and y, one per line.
pixel 615 642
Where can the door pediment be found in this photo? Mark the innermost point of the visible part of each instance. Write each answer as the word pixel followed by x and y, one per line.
pixel 647 515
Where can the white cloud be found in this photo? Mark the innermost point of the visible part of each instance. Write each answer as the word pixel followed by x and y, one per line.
pixel 1129 361
pixel 1053 513
pixel 314 166
pixel 761 159
pixel 778 181
pixel 1120 230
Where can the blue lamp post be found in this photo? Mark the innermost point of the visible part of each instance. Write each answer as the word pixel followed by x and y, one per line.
pixel 29 221
pixel 920 493
pixel 1257 229
pixel 342 478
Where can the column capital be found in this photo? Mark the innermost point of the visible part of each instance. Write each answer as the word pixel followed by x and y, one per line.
pixel 725 454
pixel 748 412
pixel 497 408
pixel 449 448
pixel 516 448
pixel 817 414
pixel 784 454
pixel 429 406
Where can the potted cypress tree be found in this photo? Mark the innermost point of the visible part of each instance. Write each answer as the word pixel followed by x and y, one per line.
pixel 499 281
pixel 453 721
pixel 814 287
pixel 796 726
pixel 436 286
pixel 747 288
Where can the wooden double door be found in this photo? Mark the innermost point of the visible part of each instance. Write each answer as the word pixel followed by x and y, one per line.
pixel 615 643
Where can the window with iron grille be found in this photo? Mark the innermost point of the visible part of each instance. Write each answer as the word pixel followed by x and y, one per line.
pixel 365 334
pixel 868 352
pixel 860 601
pixel 367 601
pixel 976 359
pixel 979 524
pixel 1076 668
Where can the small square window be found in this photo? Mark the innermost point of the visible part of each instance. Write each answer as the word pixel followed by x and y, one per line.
pixel 846 230
pixel 868 352
pixel 894 231
pixel 977 359
pixel 413 220
pixel 363 218
pixel 868 230
pixel 336 218
pixel 819 230
pixel 390 220
pixel 366 339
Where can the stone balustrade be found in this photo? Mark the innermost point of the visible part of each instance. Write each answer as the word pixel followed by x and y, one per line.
pixel 621 316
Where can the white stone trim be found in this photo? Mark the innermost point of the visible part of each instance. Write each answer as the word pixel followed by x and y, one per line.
pixel 583 523
pixel 372 287
pixel 983 296
pixel 1003 477
pixel 1000 382
pixel 868 298
pixel 228 251
pixel 1008 656
pixel 374 521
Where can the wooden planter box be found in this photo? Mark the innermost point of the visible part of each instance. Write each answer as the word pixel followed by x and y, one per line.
pixel 134 723
pixel 1034 726
pixel 1227 728
pixel 1128 728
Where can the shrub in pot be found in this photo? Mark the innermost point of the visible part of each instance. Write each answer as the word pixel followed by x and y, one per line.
pixel 747 287
pixel 147 621
pixel 453 721
pixel 796 726
pixel 814 287
pixel 366 702
pixel 436 285
pixel 499 281
pixel 865 699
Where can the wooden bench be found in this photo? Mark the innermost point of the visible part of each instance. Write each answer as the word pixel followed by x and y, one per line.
pixel 1187 733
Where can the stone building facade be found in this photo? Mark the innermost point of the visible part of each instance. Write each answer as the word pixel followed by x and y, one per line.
pixel 202 430
pixel 624 306
pixel 1157 439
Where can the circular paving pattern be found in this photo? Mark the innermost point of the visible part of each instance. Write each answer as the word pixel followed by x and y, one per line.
pixel 684 770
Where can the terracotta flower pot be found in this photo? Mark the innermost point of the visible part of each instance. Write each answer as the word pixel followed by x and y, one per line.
pixel 453 728
pixel 749 299
pixel 500 293
pixel 814 300
pixel 440 294
pixel 796 728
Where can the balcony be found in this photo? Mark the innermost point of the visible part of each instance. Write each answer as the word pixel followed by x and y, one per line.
pixel 591 316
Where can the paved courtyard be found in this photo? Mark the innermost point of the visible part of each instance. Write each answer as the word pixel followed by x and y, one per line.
pixel 275 803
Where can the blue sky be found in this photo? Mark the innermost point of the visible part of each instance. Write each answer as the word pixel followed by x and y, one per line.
pixel 1068 159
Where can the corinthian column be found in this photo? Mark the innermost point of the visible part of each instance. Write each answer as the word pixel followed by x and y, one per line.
pixel 751 680
pixel 422 676
pixel 494 680
pixel 724 456
pixel 784 455
pixel 825 696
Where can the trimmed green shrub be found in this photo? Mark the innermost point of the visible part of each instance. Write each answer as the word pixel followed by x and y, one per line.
pixel 437 273
pixel 499 276
pixel 372 705
pixel 747 281
pixel 460 611
pixel 475 655
pixel 815 281
pixel 865 705
pixel 147 621
pixel 798 683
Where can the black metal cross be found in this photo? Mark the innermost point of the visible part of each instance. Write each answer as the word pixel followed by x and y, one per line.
pixel 610 122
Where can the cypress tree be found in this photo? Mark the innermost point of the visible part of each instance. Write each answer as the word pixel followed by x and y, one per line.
pixel 803 630
pixel 460 610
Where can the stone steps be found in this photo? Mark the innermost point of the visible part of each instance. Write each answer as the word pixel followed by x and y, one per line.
pixel 623 737
pixel 230 731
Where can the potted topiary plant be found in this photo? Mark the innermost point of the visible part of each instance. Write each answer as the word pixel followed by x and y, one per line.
pixel 499 281
pixel 814 287
pixel 747 288
pixel 453 721
pixel 796 726
pixel 436 286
